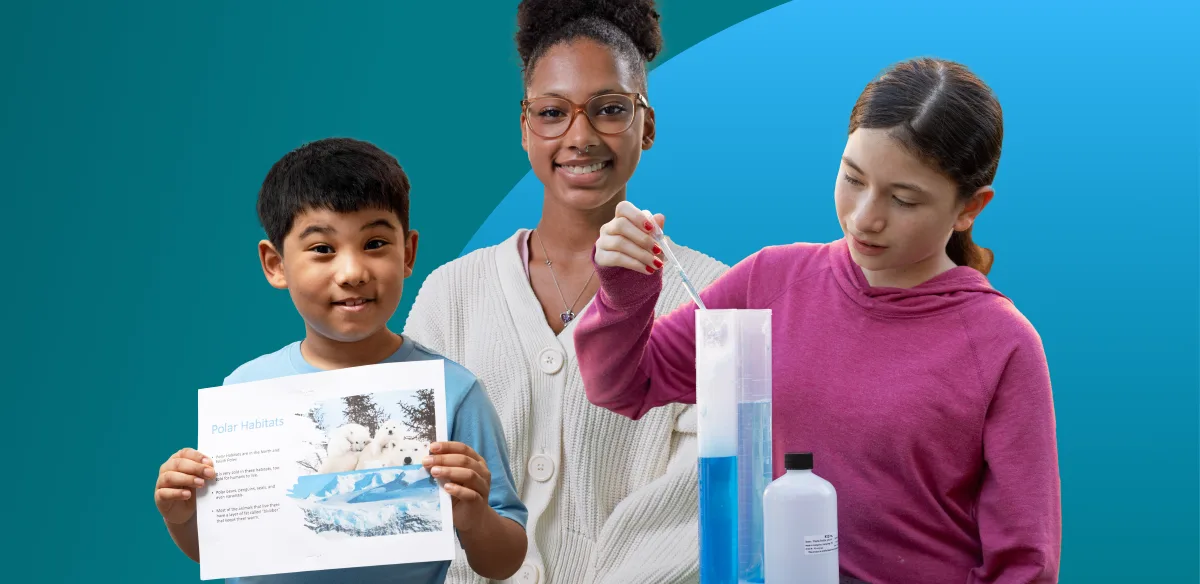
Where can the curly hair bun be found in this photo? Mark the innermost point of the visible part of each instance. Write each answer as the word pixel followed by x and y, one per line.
pixel 540 21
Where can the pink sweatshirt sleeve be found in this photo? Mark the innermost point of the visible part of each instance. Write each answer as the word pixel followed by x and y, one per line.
pixel 631 362
pixel 1019 509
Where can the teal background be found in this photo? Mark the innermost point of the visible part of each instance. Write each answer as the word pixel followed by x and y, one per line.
pixel 135 136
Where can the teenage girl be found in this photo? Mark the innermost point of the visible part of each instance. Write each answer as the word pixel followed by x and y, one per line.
pixel 610 500
pixel 921 390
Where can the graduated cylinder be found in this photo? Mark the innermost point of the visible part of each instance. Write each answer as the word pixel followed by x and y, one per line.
pixel 733 397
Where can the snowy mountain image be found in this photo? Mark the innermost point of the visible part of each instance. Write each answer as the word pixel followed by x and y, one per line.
pixel 387 501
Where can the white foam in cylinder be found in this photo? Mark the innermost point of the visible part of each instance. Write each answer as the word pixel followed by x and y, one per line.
pixel 732 356
pixel 716 383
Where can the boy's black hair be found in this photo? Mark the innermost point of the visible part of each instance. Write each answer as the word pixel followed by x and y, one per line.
pixel 342 175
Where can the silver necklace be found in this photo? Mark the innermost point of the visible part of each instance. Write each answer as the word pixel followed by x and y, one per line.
pixel 569 314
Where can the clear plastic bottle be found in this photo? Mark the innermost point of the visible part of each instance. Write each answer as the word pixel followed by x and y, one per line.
pixel 800 525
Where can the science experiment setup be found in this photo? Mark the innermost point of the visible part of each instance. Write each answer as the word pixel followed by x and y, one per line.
pixel 733 399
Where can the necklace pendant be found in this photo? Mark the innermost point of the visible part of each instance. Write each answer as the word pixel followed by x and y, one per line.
pixel 567 316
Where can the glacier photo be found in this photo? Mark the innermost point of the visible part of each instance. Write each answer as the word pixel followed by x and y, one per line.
pixel 385 501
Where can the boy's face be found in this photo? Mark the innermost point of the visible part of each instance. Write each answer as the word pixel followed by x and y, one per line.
pixel 344 271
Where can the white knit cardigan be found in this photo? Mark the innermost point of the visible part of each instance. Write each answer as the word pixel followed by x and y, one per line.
pixel 620 504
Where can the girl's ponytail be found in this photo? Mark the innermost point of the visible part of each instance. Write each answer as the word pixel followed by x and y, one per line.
pixel 965 252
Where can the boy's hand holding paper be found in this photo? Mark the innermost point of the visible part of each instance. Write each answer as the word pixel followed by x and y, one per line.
pixel 495 546
pixel 465 476
pixel 178 479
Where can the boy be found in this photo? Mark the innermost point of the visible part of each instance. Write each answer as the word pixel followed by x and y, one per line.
pixel 336 216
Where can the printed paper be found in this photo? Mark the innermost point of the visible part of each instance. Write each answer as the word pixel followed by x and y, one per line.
pixel 323 471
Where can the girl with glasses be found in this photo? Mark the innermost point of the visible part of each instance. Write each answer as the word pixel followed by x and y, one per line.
pixel 922 391
pixel 610 500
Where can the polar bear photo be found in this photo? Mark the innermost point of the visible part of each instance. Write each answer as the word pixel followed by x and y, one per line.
pixel 369 431
pixel 388 430
pixel 346 444
pixel 375 455
pixel 406 452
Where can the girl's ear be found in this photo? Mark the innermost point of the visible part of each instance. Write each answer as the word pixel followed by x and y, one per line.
pixel 524 134
pixel 979 200
pixel 648 126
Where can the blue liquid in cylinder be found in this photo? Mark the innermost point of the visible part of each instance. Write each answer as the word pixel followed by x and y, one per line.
pixel 754 474
pixel 718 520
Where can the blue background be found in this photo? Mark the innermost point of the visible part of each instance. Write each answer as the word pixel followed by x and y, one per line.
pixel 135 137
pixel 1094 223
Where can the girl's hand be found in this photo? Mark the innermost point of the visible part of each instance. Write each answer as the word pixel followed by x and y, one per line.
pixel 626 242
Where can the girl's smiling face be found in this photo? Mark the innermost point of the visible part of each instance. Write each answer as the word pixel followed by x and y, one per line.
pixel 583 168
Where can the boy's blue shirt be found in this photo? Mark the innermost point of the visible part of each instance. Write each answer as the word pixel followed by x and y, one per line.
pixel 472 420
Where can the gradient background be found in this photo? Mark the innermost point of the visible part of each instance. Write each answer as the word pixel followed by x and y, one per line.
pixel 135 137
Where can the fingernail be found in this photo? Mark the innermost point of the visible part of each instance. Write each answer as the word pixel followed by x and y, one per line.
pixel 649 270
pixel 210 473
pixel 435 447
pixel 658 263
pixel 435 471
pixel 199 482
pixel 648 226
pixel 657 250
pixel 427 460
pixel 206 461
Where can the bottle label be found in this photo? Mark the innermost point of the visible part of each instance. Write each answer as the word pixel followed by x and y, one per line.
pixel 820 544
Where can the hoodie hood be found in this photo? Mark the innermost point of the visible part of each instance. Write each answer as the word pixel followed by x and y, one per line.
pixel 947 291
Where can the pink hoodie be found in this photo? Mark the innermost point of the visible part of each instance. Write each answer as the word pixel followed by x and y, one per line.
pixel 929 409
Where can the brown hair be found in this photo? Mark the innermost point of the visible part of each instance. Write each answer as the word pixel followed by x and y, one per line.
pixel 946 116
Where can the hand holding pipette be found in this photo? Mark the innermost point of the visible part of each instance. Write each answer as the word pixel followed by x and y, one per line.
pixel 634 240
pixel 627 241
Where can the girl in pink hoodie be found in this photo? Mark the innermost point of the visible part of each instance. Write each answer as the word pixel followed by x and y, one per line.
pixel 923 392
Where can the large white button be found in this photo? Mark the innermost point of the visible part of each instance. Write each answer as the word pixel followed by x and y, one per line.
pixel 528 574
pixel 541 468
pixel 550 361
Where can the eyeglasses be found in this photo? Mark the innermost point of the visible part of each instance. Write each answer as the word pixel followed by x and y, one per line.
pixel 611 113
